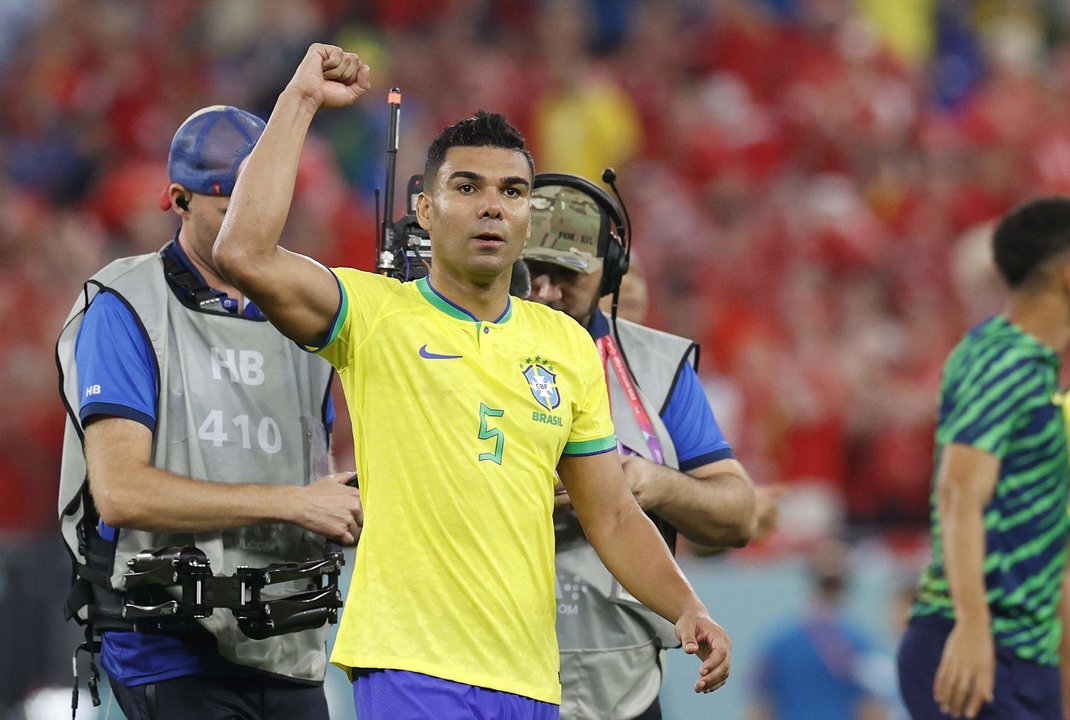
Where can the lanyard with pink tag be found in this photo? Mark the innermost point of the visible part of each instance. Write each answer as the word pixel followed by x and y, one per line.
pixel 607 348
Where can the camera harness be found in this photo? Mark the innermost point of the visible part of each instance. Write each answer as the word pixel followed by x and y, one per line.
pixel 155 577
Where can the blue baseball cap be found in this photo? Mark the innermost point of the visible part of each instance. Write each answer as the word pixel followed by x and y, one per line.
pixel 208 149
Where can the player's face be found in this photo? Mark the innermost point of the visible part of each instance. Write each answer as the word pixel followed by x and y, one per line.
pixel 478 212
pixel 571 292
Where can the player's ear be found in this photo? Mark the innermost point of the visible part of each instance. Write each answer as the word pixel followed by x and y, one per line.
pixel 423 211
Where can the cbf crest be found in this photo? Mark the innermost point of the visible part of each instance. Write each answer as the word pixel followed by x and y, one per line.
pixel 539 372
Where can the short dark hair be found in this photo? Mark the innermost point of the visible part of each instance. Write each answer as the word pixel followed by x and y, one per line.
pixel 481 130
pixel 1029 236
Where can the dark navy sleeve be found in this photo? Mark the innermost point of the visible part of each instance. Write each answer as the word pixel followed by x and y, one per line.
pixel 689 419
pixel 117 373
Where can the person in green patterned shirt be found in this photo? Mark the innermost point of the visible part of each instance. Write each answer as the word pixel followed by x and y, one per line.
pixel 983 638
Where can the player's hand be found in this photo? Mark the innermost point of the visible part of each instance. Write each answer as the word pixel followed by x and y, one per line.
pixel 700 635
pixel 1066 692
pixel 330 77
pixel 766 511
pixel 332 508
pixel 966 677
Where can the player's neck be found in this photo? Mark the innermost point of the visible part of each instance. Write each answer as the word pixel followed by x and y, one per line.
pixel 1045 316
pixel 485 302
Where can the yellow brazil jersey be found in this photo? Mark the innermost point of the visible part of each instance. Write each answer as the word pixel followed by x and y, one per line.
pixel 458 426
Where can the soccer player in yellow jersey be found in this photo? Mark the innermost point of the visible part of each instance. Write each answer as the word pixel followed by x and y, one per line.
pixel 464 403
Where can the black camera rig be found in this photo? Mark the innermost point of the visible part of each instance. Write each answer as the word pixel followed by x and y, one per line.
pixel 155 574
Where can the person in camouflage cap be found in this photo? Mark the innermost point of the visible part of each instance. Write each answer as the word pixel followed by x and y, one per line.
pixel 566 226
pixel 677 462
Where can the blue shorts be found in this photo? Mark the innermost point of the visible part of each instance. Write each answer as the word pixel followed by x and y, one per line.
pixel 403 695
pixel 1024 689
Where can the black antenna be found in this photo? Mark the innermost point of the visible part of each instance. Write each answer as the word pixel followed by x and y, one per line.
pixel 387 236
pixel 378 229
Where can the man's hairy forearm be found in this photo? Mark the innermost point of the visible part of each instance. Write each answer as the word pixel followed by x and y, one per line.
pixel 131 493
pixel 156 500
pixel 716 511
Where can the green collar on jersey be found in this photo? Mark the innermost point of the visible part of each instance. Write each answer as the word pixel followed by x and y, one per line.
pixel 442 303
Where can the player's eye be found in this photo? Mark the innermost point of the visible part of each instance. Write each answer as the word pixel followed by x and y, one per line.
pixel 466 188
pixel 512 192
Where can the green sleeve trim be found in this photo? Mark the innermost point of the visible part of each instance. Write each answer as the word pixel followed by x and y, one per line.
pixel 339 317
pixel 591 447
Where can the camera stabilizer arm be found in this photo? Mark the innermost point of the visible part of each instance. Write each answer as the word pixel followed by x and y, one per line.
pixel 153 572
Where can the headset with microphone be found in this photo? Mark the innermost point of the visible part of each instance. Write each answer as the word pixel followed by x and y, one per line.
pixel 614 244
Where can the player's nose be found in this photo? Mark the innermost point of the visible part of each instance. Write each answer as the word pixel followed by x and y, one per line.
pixel 491 205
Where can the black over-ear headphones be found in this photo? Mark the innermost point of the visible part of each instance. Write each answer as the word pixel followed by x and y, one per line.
pixel 613 242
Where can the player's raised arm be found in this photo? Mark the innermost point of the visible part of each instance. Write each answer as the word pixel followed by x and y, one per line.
pixel 633 550
pixel 299 295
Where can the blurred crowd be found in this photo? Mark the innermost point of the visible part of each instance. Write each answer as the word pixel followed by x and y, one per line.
pixel 810 182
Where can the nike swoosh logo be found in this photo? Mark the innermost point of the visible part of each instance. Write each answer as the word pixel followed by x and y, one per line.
pixel 428 355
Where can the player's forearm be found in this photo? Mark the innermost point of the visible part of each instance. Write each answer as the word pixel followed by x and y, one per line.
pixel 298 295
pixel 633 550
pixel 257 212
pixel 155 500
pixel 1064 641
pixel 962 521
pixel 716 511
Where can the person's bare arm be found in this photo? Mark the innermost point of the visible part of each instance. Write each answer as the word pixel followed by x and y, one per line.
pixel 1064 643
pixel 630 546
pixel 712 505
pixel 131 493
pixel 965 679
pixel 299 295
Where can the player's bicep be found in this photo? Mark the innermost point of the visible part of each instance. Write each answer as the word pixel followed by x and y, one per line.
pixel 967 473
pixel 361 298
pixel 297 294
pixel 596 485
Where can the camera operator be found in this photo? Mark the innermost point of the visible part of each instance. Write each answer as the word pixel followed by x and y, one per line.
pixel 193 422
pixel 677 463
